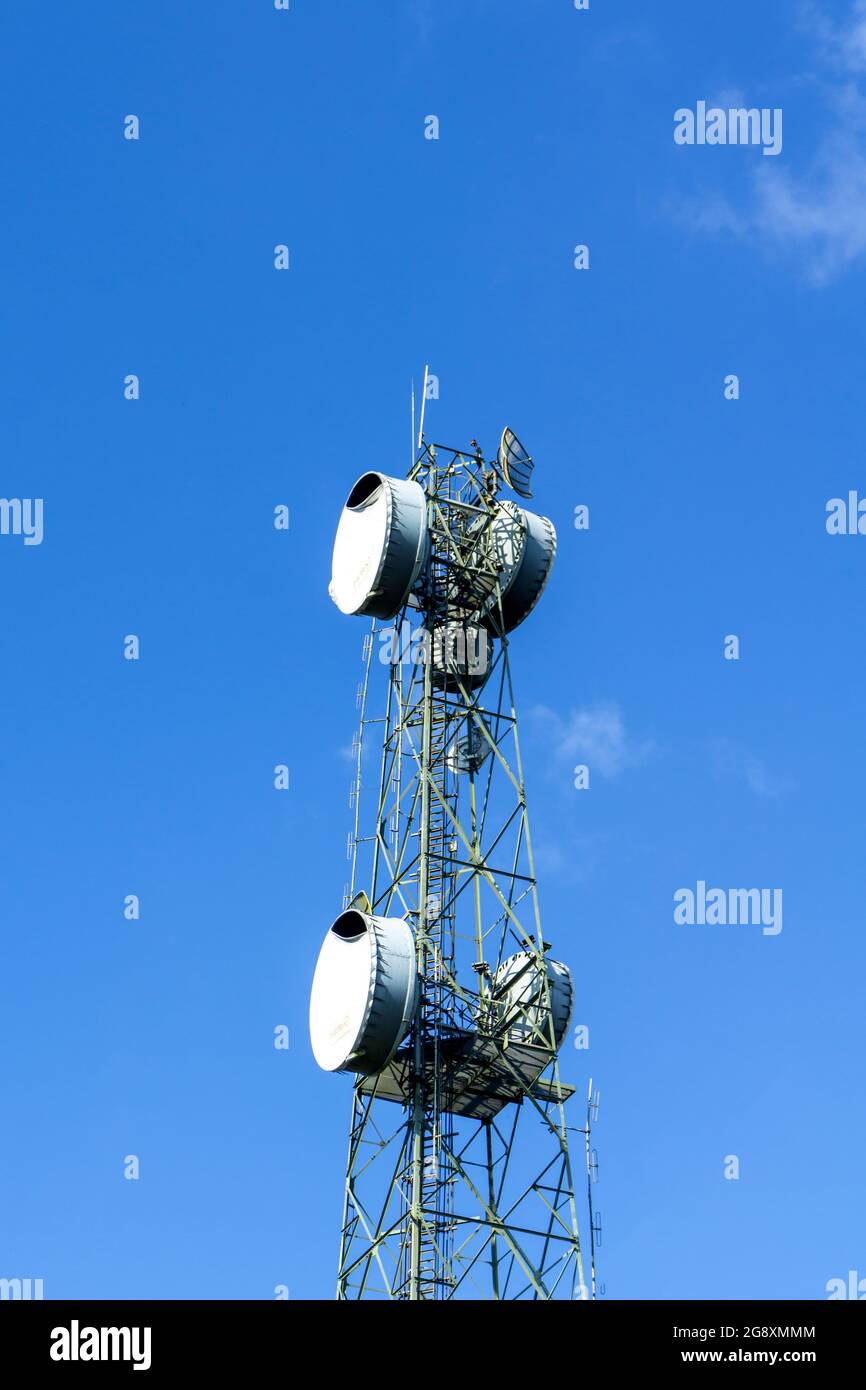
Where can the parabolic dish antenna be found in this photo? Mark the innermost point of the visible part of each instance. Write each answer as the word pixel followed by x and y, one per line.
pixel 519 548
pixel 381 546
pixel 468 752
pixel 364 992
pixel 515 464
pixel 518 988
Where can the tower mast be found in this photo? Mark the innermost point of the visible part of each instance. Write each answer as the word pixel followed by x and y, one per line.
pixel 458 1178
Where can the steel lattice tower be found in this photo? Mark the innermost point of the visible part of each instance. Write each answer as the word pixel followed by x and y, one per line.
pixel 459 1180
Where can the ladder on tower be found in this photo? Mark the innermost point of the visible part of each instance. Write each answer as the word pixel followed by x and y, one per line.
pixel 437 1233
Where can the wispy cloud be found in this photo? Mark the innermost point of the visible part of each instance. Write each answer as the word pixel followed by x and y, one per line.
pixel 595 736
pixel 816 213
pixel 734 763
pixel 613 40
pixel 822 215
pixel 574 859
pixel 841 44
pixel 761 781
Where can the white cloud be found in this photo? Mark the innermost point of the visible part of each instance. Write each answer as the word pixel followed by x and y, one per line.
pixel 818 212
pixel 761 781
pixel 595 736
pixel 730 761
pixel 821 215
pixel 574 860
pixel 841 44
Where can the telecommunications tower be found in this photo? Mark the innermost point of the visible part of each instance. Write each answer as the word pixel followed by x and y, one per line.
pixel 435 986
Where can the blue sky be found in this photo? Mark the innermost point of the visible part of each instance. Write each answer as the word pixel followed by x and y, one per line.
pixel 261 387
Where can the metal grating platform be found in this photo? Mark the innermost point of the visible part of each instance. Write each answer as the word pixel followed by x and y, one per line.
pixel 484 1075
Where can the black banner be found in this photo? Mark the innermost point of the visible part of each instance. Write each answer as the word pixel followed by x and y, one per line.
pixel 156 1339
